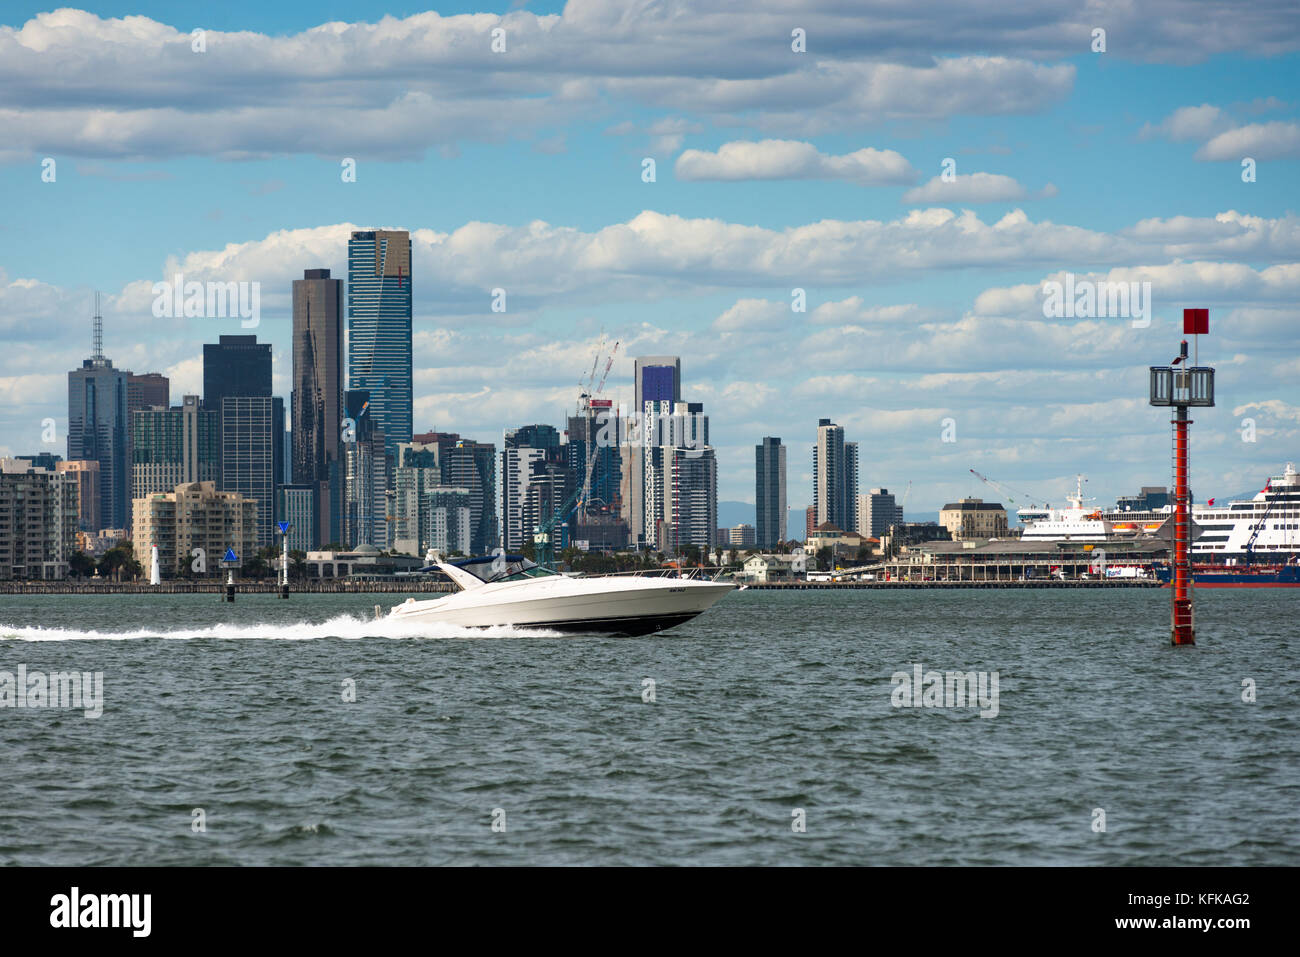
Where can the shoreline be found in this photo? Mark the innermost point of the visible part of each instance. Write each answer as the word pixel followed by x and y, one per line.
pixel 348 588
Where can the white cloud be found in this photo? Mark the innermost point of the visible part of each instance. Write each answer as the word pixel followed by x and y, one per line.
pixel 973 188
pixel 1260 141
pixel 792 159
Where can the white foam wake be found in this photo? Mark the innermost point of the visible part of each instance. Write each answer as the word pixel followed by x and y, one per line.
pixel 343 626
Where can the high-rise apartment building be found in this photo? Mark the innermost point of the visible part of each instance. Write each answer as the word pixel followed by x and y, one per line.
pixel 877 513
pixel 367 467
pixel 472 465
pixel 656 379
pixel 38 521
pixel 317 401
pixel 680 477
pixel 379 328
pixel 835 478
pixel 195 516
pixel 769 492
pixel 86 474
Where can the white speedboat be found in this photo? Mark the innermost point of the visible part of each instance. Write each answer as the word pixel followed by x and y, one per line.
pixel 511 590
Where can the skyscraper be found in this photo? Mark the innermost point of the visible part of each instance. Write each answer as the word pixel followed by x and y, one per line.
pixel 97 427
pixel 835 477
pixel 149 390
pixel 238 368
pixel 317 400
pixel 235 365
pixel 472 465
pixel 248 460
pixel 379 328
pixel 769 492
pixel 680 477
pixel 366 472
pixel 655 379
pixel 174 446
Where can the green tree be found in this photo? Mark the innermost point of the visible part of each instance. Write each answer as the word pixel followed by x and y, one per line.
pixel 80 565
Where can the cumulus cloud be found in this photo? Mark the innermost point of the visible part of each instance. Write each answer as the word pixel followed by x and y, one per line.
pixel 974 188
pixel 1222 138
pixel 792 159
pixel 1261 141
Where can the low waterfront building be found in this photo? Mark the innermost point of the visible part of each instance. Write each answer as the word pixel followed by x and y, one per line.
pixel 974 518
pixel 1017 560
pixel 363 561
pixel 39 510
pixel 194 519
pixel 762 569
pixel 95 544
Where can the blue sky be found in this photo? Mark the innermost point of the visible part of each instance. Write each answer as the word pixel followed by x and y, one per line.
pixel 523 170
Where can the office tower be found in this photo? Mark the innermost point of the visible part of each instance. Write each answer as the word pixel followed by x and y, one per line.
pixel 317 400
pixel 86 475
pixel 835 477
pixel 196 516
pixel 97 427
pixel 379 328
pixel 655 379
pixel 235 365
pixel 38 521
pixel 238 367
pixel 148 390
pixel 472 465
pixel 366 470
pixel 877 513
pixel 296 504
pixel 769 492
pixel 172 446
pixel 248 460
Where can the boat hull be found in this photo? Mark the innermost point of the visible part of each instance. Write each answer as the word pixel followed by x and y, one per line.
pixel 1282 576
pixel 609 606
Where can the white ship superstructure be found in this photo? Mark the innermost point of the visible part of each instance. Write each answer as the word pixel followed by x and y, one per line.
pixel 1263 528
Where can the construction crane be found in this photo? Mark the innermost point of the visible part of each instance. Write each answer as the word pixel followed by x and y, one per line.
pixel 1009 492
pixel 609 364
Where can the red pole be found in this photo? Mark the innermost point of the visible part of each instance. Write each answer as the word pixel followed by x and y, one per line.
pixel 1182 631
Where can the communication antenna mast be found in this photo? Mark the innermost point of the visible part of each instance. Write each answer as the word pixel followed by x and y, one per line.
pixel 97 350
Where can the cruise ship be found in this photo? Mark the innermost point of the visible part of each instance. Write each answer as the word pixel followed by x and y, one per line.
pixel 1264 529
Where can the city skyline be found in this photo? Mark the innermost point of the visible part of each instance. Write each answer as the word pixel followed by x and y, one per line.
pixel 923 303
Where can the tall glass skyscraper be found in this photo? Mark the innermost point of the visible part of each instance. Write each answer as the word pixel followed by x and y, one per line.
pixel 379 329
pixel 97 428
pixel 769 492
pixel 318 398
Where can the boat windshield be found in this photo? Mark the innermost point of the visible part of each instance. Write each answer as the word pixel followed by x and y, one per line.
pixel 504 568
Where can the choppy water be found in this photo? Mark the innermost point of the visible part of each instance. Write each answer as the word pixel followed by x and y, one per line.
pixel 770 702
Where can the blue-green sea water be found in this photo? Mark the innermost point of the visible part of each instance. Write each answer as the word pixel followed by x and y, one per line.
pixel 771 704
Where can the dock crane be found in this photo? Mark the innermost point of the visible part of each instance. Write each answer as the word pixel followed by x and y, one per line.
pixel 1249 547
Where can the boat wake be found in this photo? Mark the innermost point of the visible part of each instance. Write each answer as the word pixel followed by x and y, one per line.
pixel 343 626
